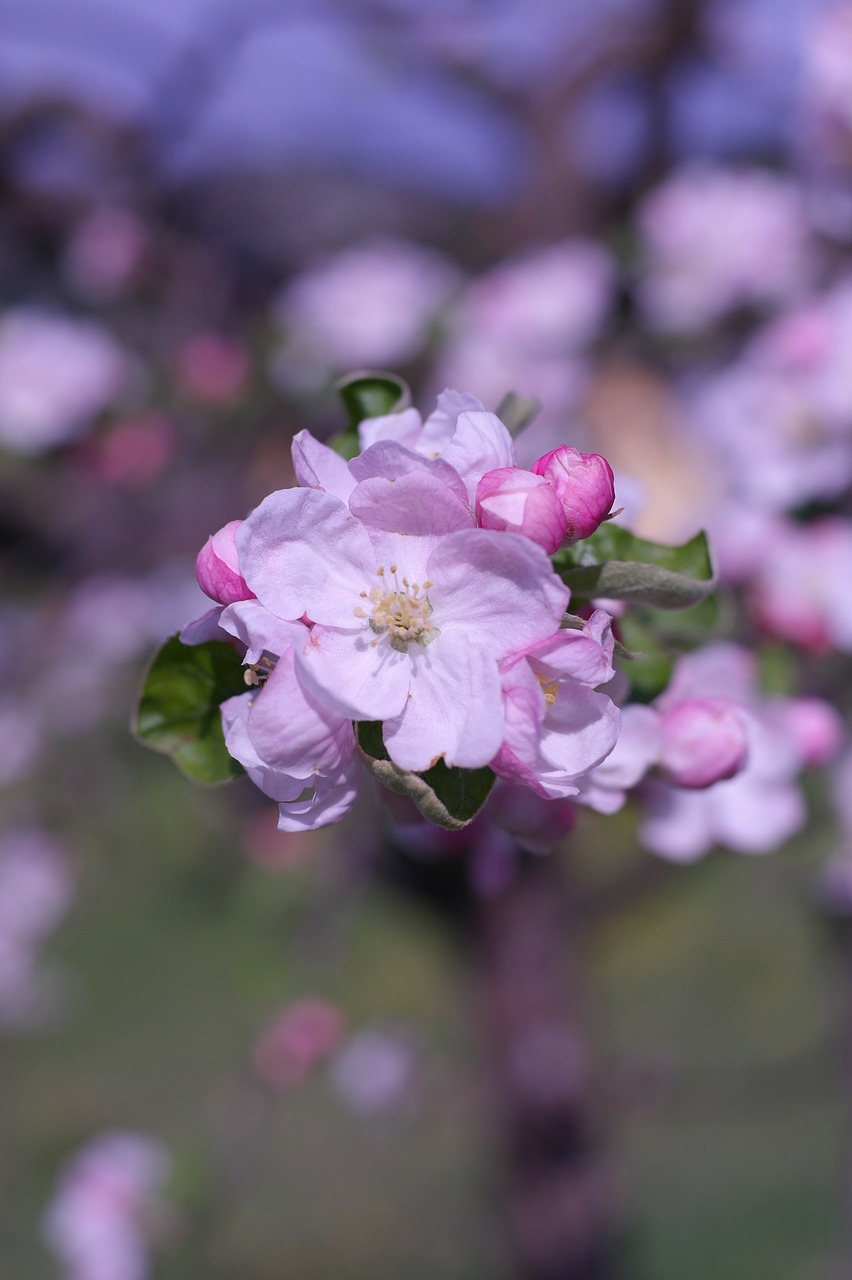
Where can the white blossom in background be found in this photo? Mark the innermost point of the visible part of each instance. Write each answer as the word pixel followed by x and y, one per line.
pixel 525 325
pixel 375 1071
pixel 716 239
pixel 57 373
pixel 371 305
pixel 106 1207
pixel 36 888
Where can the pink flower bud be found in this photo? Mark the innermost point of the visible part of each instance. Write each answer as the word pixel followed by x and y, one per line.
pixel 816 728
pixel 517 501
pixel 584 484
pixel 704 741
pixel 217 568
pixel 302 1036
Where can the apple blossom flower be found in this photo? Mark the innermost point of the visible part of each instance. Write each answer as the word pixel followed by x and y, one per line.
pixel 297 749
pixel 556 727
pixel 413 607
pixel 517 500
pixel 98 1223
pixel 584 484
pixel 368 593
pixel 459 432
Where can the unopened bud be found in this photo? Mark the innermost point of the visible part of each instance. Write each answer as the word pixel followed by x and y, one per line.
pixel 584 484
pixel 704 740
pixel 217 568
pixel 817 729
pixel 516 501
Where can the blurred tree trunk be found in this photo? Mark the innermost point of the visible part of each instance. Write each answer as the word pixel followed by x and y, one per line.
pixel 560 1202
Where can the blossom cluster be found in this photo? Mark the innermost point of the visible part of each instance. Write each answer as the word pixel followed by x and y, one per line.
pixel 413 586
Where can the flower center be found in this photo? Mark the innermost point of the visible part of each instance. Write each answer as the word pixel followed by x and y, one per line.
pixel 549 688
pixel 399 610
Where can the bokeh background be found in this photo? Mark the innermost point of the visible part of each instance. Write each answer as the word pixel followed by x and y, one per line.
pixel 639 211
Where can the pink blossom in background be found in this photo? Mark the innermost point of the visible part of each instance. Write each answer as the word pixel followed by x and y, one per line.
pixel 763 805
pixel 57 373
pixel 525 326
pixel 370 305
pixel 213 369
pixel 104 252
pixel 767 438
pixel 106 1206
pixel 558 381
pixel 826 85
pixel 636 751
pixel 36 889
pixel 132 453
pixel 778 420
pixel 303 1036
pixel 716 239
pixel 800 592
pixel 553 300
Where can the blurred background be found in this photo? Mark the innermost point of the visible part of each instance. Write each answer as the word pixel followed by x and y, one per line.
pixel 232 1053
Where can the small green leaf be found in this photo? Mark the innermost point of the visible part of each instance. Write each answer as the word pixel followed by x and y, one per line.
pixel 178 711
pixel 449 798
pixel 614 564
pixel 517 412
pixel 371 395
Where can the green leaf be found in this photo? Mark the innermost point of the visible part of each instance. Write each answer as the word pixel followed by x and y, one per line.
pixel 614 564
pixel 449 798
pixel 178 711
pixel 367 394
pixel 517 412
pixel 371 395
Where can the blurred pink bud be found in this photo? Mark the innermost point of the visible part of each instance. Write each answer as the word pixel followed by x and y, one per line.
pixel 816 728
pixel 704 740
pixel 517 501
pixel 584 484
pixel 133 452
pixel 213 369
pixel 303 1036
pixel 217 568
